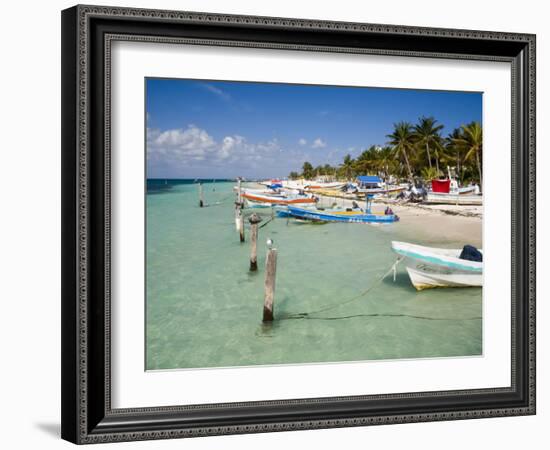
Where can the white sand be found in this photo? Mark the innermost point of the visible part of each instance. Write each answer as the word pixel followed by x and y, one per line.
pixel 458 223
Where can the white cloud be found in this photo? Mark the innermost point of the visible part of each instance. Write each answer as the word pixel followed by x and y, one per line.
pixel 184 144
pixel 194 151
pixel 229 144
pixel 302 142
pixel 318 143
pixel 216 91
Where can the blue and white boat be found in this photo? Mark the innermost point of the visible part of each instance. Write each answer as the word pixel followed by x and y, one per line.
pixel 340 215
pixel 430 267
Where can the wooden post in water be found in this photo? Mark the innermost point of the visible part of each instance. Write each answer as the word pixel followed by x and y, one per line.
pixel 201 202
pixel 254 220
pixel 270 272
pixel 239 193
pixel 241 225
pixel 238 212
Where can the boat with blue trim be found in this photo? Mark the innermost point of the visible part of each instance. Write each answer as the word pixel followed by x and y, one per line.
pixel 430 267
pixel 349 215
pixel 277 198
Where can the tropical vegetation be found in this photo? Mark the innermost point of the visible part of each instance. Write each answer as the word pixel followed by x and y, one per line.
pixel 413 150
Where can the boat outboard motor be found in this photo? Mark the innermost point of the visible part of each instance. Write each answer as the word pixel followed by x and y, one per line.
pixel 470 253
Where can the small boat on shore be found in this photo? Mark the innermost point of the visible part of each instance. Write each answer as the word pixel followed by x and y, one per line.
pixel 348 215
pixel 437 198
pixel 312 185
pixel 315 185
pixel 430 267
pixel 274 183
pixel 447 192
pixel 366 185
pixel 277 199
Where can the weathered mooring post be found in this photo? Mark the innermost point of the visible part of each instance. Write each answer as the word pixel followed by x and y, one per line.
pixel 201 200
pixel 270 272
pixel 241 225
pixel 237 216
pixel 239 192
pixel 254 220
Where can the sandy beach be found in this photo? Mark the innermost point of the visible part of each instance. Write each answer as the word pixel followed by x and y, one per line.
pixel 455 222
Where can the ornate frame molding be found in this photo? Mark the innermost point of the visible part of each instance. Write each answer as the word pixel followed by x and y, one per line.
pixel 80 423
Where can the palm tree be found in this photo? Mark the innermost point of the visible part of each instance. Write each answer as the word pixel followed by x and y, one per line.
pixel 307 170
pixel 471 142
pixel 426 134
pixel 366 161
pixel 386 163
pixel 348 166
pixel 429 173
pixel 402 142
pixel 454 150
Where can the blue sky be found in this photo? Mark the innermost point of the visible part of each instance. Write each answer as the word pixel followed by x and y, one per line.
pixel 214 129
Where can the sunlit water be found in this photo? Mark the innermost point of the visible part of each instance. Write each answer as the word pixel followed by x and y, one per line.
pixel 204 307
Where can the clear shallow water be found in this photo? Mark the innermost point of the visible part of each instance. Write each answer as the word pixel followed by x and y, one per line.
pixel 204 307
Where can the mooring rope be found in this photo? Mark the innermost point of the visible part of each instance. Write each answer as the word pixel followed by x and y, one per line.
pixel 393 268
pixel 304 315
pixel 220 202
pixel 265 223
pixel 381 315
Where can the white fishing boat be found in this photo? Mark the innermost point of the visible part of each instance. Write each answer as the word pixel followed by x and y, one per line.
pixel 270 192
pixel 312 185
pixel 315 185
pixel 447 192
pixel 430 267
pixel 274 183
pixel 453 199
pixel 372 185
pixel 277 199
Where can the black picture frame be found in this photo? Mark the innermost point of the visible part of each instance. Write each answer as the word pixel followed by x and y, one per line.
pixel 87 416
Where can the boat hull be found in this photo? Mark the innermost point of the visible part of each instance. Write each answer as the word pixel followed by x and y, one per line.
pixel 317 186
pixel 381 191
pixel 431 268
pixel 277 200
pixel 342 217
pixel 424 276
pixel 454 199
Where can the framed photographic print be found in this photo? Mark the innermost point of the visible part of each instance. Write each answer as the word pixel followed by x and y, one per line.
pixel 279 224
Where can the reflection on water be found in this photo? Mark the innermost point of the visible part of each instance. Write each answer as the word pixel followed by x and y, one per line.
pixel 204 307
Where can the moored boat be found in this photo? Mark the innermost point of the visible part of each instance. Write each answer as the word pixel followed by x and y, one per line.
pixel 278 199
pixel 430 267
pixel 341 215
pixel 274 183
pixel 447 192
pixel 312 185
pixel 315 185
pixel 372 185
pixel 454 199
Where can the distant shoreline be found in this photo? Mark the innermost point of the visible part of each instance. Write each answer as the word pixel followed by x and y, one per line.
pixel 189 180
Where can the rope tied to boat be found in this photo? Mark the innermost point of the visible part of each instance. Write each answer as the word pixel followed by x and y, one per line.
pixel 265 223
pixel 307 315
pixel 393 269
pixel 220 202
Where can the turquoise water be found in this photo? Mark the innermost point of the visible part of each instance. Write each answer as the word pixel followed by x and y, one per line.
pixel 204 308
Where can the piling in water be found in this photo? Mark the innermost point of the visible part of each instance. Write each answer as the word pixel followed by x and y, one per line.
pixel 254 220
pixel 270 272
pixel 241 227
pixel 238 213
pixel 201 201
pixel 239 192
